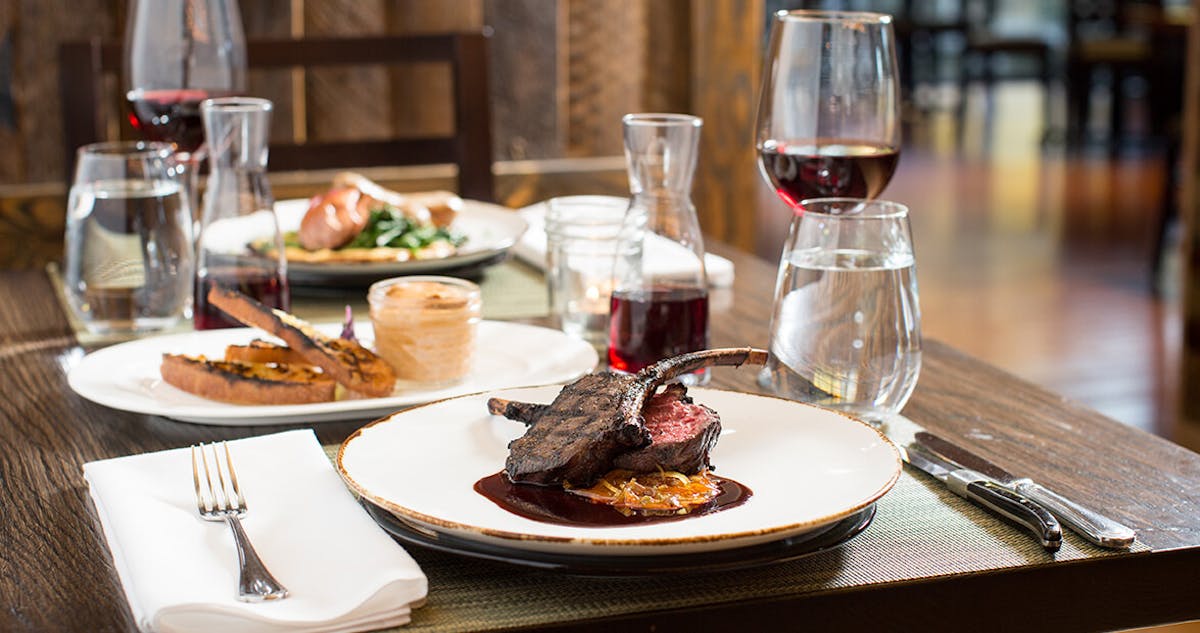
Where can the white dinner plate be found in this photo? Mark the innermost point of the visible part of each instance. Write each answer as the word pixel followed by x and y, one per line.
pixel 490 230
pixel 807 468
pixel 126 376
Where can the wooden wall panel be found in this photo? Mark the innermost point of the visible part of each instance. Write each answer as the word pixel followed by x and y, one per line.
pixel 1189 211
pixel 347 103
pixel 726 64
pixel 528 77
pixel 606 53
pixel 667 84
pixel 32 150
pixel 274 19
pixel 11 158
pixel 419 90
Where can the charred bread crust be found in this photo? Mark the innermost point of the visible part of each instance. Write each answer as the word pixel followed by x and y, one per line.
pixel 260 351
pixel 247 383
pixel 348 362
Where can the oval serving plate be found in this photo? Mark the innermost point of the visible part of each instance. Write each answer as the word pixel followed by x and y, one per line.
pixel 807 468
pixel 490 229
pixel 126 376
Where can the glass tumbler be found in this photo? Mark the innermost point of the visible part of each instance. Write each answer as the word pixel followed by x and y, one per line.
pixel 581 243
pixel 128 257
pixel 426 327
pixel 846 324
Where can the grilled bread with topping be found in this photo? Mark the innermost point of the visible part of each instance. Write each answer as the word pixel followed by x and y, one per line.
pixel 349 363
pixel 260 351
pixel 247 383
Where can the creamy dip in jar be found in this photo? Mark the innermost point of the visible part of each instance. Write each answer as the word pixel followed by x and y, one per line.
pixel 425 327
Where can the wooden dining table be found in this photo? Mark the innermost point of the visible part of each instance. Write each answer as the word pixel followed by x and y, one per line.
pixel 928 561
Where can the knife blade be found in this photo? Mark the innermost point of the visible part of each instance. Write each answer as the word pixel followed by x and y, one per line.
pixel 975 487
pixel 1090 524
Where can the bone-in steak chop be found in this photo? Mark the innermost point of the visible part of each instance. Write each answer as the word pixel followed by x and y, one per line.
pixel 576 438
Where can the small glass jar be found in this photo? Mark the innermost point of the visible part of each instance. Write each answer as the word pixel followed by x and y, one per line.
pixel 425 327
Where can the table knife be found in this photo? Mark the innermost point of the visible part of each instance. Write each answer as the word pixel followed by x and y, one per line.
pixel 975 487
pixel 1092 525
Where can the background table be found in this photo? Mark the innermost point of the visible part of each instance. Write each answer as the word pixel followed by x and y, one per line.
pixel 927 562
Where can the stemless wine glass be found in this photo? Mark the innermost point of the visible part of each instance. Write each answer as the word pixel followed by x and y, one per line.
pixel 846 325
pixel 128 257
pixel 177 54
pixel 828 114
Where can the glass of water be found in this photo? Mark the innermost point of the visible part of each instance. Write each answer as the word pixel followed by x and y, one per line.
pixel 581 244
pixel 128 259
pixel 846 325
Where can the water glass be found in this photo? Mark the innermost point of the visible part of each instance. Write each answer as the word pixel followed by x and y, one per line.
pixel 581 243
pixel 846 325
pixel 128 259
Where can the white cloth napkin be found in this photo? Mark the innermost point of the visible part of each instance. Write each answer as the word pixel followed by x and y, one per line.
pixel 180 573
pixel 531 247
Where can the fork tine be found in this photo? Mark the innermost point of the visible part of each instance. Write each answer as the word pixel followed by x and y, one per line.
pixel 218 486
pixel 238 499
pixel 201 495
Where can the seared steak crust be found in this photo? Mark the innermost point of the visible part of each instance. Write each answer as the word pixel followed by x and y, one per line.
pixel 578 434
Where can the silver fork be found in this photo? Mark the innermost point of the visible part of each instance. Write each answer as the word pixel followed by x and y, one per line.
pixel 221 499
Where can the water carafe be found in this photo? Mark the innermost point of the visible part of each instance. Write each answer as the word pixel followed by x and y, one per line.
pixel 659 305
pixel 240 245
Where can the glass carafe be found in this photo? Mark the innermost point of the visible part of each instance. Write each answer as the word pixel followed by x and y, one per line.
pixel 240 245
pixel 659 305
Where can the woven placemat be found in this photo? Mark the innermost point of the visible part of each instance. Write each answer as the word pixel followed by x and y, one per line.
pixel 510 290
pixel 921 530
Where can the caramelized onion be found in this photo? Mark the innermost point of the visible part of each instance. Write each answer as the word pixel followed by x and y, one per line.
pixel 662 492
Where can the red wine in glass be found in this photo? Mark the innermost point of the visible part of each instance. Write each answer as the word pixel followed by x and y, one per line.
pixel 827 168
pixel 649 325
pixel 267 287
pixel 172 116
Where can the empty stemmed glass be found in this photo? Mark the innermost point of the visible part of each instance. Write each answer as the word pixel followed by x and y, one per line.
pixel 177 54
pixel 828 116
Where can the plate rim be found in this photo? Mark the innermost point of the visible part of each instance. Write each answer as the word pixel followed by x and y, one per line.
pixel 268 414
pixel 649 543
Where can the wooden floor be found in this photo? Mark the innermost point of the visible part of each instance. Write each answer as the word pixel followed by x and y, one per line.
pixel 1039 262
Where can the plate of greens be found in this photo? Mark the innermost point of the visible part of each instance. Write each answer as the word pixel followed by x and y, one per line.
pixel 481 234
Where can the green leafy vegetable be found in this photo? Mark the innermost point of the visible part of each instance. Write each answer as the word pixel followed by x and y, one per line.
pixel 387 227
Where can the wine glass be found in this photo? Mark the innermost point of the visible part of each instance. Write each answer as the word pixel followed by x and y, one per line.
pixel 177 54
pixel 828 114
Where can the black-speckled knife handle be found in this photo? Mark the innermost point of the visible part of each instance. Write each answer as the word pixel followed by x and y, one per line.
pixel 1009 505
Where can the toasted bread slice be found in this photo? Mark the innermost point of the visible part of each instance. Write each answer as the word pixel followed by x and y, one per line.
pixel 348 362
pixel 247 383
pixel 260 351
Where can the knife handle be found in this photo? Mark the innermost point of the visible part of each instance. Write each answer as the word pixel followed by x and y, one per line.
pixel 1010 505
pixel 1094 526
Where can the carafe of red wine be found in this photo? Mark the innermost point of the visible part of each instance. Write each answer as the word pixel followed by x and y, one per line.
pixel 659 304
pixel 240 246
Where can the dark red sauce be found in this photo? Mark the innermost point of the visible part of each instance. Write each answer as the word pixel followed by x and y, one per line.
pixel 551 504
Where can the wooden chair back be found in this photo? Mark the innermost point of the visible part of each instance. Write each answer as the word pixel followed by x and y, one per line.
pixel 83 67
